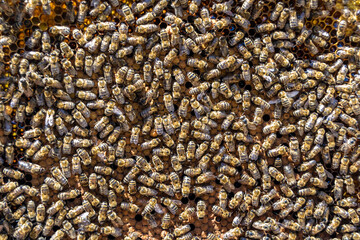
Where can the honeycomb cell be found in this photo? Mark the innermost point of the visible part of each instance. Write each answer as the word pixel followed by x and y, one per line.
pixel 43 26
pixel 6 58
pixel 336 15
pixel 58 10
pixel 6 50
pixel 21 44
pixel 58 19
pixel 329 21
pixel 27 23
pixel 328 28
pixel 13 47
pixel 35 21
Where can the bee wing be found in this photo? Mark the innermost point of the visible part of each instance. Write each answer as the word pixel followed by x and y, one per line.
pixel 200 96
pixel 207 109
pixel 229 13
pixel 86 221
pixel 177 202
pixel 197 114
pixel 229 187
pixel 292 94
pixel 210 175
pixel 267 78
pixel 329 174
pixel 274 101
pixel 158 209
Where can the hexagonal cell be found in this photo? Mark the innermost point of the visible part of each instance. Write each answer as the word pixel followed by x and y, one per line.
pixel 6 50
pixel 27 23
pixel 308 25
pixel 328 21
pixel 328 28
pixel 37 11
pixel 333 48
pixel 7 58
pixel 35 20
pixel 58 10
pixel 58 19
pixel 13 47
pixel 340 44
pixel 73 45
pixel 43 26
pixel 51 22
pixel 336 14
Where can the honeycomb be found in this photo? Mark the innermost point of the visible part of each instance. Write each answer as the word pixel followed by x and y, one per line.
pixel 253 140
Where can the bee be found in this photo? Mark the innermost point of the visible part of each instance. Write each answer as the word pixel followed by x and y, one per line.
pixel 103 212
pixel 175 181
pixel 147 191
pixel 103 186
pixel 348 228
pixel 146 180
pixel 92 181
pixel 254 171
pixel 254 154
pixel 334 224
pixel 83 8
pixel 146 18
pixel 132 187
pixel 55 207
pixel 32 42
pixel 185 187
pixel 23 230
pixel 157 162
pixel 70 230
pixel 342 25
pixel 187 214
pixel 36 231
pixel 114 218
pixel 116 185
pixel 183 108
pixel 83 109
pixel 14 62
pixel 8 172
pixel 170 204
pixel 73 212
pixel 194 7
pixel 62 30
pixel 166 221
pixel 277 11
pixel 134 138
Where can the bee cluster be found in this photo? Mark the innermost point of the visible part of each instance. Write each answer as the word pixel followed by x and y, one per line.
pixel 179 119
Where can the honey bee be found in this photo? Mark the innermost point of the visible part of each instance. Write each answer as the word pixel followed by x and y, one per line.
pixel 187 214
pixel 277 11
pixel 62 30
pixel 8 172
pixel 170 204
pixel 60 217
pixel 181 230
pixel 166 221
pixel 116 185
pixel 23 230
pixel 36 231
pixel 147 191
pixel 132 187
